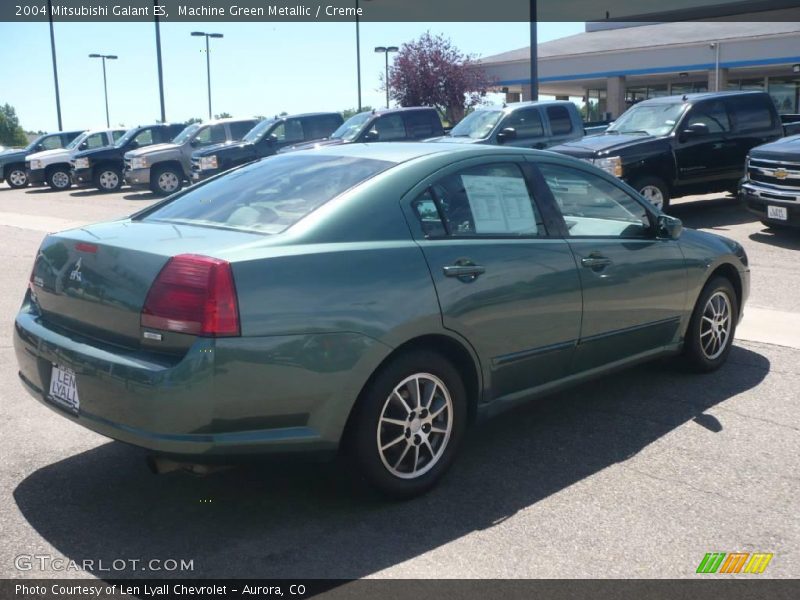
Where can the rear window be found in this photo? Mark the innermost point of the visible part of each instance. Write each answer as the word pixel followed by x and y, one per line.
pixel 271 195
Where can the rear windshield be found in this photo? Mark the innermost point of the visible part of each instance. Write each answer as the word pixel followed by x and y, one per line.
pixel 271 195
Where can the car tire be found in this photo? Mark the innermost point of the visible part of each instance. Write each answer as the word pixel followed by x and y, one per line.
pixel 712 327
pixel 59 179
pixel 17 178
pixel 165 180
pixel 400 445
pixel 654 190
pixel 107 179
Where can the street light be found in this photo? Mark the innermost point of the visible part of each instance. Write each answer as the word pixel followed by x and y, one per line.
pixel 208 62
pixel 105 84
pixel 386 50
pixel 358 56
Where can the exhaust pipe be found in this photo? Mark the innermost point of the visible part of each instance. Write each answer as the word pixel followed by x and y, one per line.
pixel 160 465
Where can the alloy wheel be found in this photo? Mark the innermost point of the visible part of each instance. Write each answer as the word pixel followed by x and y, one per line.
pixel 168 182
pixel 415 426
pixel 715 325
pixel 653 195
pixel 18 178
pixel 60 180
pixel 109 180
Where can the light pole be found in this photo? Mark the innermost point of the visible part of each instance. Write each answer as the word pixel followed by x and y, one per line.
pixel 715 47
pixel 358 56
pixel 55 65
pixel 534 53
pixel 386 50
pixel 208 62
pixel 158 61
pixel 105 84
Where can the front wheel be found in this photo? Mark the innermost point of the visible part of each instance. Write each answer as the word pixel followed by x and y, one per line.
pixel 408 424
pixel 654 190
pixel 108 179
pixel 712 327
pixel 58 179
pixel 165 181
pixel 17 178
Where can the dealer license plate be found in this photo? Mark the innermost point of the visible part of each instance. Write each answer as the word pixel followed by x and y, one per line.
pixel 64 389
pixel 777 212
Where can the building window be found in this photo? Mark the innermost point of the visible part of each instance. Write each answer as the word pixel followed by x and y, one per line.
pixel 644 92
pixel 696 87
pixel 595 106
pixel 785 94
pixel 747 84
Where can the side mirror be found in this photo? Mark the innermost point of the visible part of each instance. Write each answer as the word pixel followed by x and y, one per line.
pixel 694 130
pixel 39 147
pixel 507 134
pixel 669 227
pixel 371 136
pixel 83 146
pixel 133 144
pixel 271 139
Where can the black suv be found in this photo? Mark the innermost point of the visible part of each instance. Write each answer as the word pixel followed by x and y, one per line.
pixel 265 139
pixel 678 145
pixel 102 167
pixel 387 125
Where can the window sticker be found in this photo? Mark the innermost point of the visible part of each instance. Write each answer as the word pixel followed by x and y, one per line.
pixel 499 204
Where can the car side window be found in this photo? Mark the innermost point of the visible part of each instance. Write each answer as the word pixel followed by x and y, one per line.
pixel 115 135
pixel 240 128
pixel 51 143
pixel 593 206
pixel 96 140
pixel 289 132
pixel 527 123
pixel 560 122
pixel 711 114
pixel 419 125
pixel 320 127
pixel 390 127
pixel 485 201
pixel 212 134
pixel 751 113
pixel 143 138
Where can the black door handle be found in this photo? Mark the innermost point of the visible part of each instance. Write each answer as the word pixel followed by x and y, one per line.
pixel 464 272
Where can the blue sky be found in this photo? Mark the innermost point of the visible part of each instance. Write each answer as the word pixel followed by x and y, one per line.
pixel 257 68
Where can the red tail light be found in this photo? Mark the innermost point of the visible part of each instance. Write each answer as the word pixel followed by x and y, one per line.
pixel 193 294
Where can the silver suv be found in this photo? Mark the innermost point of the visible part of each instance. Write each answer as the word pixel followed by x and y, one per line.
pixel 165 167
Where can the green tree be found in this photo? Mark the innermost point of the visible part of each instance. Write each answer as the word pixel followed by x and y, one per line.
pixel 223 115
pixel 193 120
pixel 11 134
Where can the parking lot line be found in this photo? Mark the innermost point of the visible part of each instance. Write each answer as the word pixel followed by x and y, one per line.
pixel 769 326
pixel 37 223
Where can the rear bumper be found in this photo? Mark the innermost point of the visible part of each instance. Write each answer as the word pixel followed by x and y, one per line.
pixel 758 198
pixel 224 398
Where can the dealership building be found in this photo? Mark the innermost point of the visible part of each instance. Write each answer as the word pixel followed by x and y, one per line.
pixel 612 66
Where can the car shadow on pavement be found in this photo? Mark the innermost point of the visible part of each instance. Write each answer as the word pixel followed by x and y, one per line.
pixel 145 195
pixel 317 520
pixel 782 238
pixel 715 213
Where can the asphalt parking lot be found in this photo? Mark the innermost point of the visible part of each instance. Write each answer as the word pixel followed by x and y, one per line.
pixel 638 474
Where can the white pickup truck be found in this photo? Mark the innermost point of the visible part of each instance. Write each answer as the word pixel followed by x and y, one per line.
pixel 52 167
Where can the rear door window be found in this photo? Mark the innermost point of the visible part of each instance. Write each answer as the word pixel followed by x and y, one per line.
pixel 751 113
pixel 419 124
pixel 321 126
pixel 486 201
pixel 560 121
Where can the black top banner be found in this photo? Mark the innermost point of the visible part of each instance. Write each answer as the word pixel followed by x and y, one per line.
pixel 397 10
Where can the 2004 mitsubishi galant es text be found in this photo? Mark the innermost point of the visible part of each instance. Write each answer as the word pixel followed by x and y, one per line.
pixel 378 297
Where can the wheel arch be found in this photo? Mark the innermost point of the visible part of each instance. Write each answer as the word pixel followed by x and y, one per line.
pixel 731 273
pixel 50 168
pixel 454 350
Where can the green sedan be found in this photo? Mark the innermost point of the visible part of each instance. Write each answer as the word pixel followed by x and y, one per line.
pixel 378 298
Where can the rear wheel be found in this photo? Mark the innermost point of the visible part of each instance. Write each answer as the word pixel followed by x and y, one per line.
pixel 654 190
pixel 17 177
pixel 165 180
pixel 712 327
pixel 108 179
pixel 408 424
pixel 58 179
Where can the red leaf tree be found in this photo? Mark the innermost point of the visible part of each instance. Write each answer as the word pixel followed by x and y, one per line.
pixel 430 71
